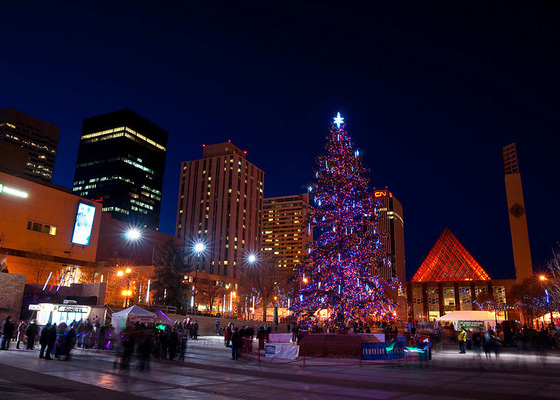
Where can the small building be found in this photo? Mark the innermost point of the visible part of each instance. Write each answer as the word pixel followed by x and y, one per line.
pixel 46 233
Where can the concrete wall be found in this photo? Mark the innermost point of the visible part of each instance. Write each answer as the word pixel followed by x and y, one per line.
pixel 11 295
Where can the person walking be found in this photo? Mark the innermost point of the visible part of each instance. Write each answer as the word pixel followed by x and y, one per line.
pixel 235 343
pixel 7 333
pixel 173 343
pixel 31 332
pixel 70 341
pixel 477 343
pixel 44 339
pixel 51 340
pixel 195 330
pixel 227 334
pixel 462 338
pixel 127 347
pixel 217 327
pixel 20 333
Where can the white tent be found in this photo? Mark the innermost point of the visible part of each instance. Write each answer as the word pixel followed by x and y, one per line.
pixel 131 314
pixel 470 319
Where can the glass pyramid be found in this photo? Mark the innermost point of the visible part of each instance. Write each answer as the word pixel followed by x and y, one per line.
pixel 448 260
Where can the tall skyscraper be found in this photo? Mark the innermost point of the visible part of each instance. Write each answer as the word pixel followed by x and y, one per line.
pixel 121 162
pixel 220 205
pixel 391 222
pixel 285 230
pixel 38 138
pixel 517 216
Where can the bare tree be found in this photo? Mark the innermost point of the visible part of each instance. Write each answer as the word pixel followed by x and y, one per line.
pixel 210 293
pixel 485 301
pixel 554 282
pixel 529 298
pixel 264 278
pixel 40 261
pixel 87 275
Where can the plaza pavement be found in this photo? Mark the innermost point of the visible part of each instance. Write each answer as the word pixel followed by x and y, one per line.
pixel 209 373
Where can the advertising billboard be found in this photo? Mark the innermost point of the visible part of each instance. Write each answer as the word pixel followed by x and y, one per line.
pixel 83 224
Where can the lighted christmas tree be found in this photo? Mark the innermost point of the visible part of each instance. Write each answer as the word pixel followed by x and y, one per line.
pixel 339 273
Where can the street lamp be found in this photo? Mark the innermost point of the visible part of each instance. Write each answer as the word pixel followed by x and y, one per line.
pixel 543 279
pixel 127 293
pixel 251 260
pixel 231 296
pixel 198 248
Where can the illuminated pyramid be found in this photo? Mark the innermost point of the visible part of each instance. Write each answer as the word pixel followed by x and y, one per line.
pixel 449 261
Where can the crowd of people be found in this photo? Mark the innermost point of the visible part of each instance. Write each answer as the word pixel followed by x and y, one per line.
pixel 493 338
pixel 57 341
pixel 169 341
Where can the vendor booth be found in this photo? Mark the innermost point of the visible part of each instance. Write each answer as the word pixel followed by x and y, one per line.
pixel 130 315
pixel 472 320
pixel 58 313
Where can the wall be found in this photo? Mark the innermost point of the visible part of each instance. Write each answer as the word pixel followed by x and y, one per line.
pixel 11 295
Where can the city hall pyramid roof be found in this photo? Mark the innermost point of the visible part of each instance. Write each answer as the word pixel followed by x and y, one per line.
pixel 448 260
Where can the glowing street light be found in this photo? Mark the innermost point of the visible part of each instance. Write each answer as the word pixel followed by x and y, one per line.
pixel 543 278
pixel 199 248
pixel 252 258
pixel 133 234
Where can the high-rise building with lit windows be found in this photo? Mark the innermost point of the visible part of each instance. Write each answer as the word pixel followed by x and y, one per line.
pixel 391 223
pixel 36 143
pixel 286 234
pixel 121 162
pixel 220 205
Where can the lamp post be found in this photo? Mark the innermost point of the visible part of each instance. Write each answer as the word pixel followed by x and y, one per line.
pixel 126 274
pixel 232 295
pixel 543 279
pixel 198 249
pixel 251 260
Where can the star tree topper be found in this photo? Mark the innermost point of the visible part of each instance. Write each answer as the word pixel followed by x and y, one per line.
pixel 338 120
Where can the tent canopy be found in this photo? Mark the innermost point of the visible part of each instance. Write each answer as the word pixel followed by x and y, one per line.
pixel 132 314
pixel 487 317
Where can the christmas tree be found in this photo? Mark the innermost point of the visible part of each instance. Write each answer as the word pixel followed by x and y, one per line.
pixel 338 276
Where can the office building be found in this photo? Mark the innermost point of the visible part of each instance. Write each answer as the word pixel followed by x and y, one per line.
pixel 120 164
pixel 220 205
pixel 27 144
pixel 517 216
pixel 391 225
pixel 286 233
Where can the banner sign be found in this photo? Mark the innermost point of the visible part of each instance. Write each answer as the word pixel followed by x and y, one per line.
pixel 471 325
pixel 141 318
pixel 279 338
pixel 382 351
pixel 75 309
pixel 284 351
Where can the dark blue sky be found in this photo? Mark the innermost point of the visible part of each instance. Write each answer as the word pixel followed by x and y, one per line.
pixel 430 93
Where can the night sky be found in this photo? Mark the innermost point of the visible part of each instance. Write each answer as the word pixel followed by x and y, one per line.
pixel 430 94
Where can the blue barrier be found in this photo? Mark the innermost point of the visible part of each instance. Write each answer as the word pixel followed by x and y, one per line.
pixel 382 351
